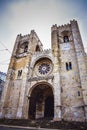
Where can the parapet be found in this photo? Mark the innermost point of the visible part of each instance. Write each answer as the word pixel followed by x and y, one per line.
pixel 73 21
pixel 55 27
pixel 21 37
pixel 27 36
pixel 46 51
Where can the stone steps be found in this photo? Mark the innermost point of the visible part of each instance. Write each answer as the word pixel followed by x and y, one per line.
pixel 45 123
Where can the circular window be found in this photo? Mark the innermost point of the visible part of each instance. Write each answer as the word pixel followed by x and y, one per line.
pixel 43 67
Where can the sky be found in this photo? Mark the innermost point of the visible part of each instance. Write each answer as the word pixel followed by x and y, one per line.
pixel 22 16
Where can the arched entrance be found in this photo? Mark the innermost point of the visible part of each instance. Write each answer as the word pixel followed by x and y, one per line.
pixel 41 102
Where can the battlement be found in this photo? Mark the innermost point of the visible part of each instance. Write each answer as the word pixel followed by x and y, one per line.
pixel 45 51
pixel 27 36
pixel 73 21
pixel 55 27
pixel 64 26
pixel 32 32
pixel 21 37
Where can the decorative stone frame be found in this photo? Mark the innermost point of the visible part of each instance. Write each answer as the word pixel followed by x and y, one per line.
pixel 39 63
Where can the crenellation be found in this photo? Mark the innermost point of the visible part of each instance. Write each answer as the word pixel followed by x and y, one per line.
pixel 54 27
pixel 32 31
pixel 19 34
pixel 64 26
pixel 46 51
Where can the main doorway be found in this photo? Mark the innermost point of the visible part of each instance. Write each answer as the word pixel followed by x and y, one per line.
pixel 41 102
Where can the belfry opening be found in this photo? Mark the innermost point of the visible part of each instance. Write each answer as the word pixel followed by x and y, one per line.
pixel 41 102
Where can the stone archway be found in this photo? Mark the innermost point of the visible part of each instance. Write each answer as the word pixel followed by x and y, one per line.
pixel 41 102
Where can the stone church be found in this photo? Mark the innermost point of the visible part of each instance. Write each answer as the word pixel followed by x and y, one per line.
pixel 47 83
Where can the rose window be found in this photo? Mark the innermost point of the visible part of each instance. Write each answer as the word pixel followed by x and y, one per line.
pixel 44 68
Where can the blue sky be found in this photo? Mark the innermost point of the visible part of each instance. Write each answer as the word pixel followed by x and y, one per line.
pixel 21 16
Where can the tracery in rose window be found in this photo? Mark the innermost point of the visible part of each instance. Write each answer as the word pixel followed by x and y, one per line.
pixel 44 68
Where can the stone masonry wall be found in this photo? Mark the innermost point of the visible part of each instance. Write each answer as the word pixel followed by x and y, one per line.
pixel 69 85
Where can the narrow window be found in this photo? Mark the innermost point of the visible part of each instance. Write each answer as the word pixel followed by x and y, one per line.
pixel 25 48
pixel 37 48
pixel 70 65
pixel 78 93
pixel 66 39
pixel 67 67
pixel 19 73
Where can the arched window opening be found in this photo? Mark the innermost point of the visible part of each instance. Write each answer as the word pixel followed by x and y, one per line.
pixel 70 65
pixel 66 39
pixel 26 48
pixel 19 73
pixel 37 48
pixel 67 68
pixel 22 48
pixel 78 93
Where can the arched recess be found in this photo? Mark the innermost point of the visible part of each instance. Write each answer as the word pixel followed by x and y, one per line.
pixel 37 48
pixel 41 58
pixel 66 34
pixel 41 101
pixel 22 48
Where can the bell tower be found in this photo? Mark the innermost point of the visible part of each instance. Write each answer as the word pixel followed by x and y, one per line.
pixel 13 95
pixel 71 71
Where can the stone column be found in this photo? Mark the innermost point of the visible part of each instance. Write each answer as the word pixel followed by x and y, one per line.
pixel 57 94
pixel 21 100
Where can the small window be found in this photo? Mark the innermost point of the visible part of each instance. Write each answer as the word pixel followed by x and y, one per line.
pixel 37 48
pixel 25 48
pixel 78 93
pixel 69 66
pixel 66 39
pixel 19 73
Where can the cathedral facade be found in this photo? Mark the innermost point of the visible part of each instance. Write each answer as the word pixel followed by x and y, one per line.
pixel 47 83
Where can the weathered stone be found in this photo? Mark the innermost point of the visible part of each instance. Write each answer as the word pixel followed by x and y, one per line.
pixel 44 83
